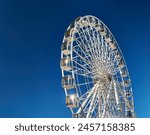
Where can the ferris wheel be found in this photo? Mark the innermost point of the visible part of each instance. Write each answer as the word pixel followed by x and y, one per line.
pixel 95 77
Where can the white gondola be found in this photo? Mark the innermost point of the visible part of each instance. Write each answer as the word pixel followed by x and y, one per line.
pixel 72 101
pixel 108 38
pixel 97 27
pixel 103 32
pixel 113 45
pixel 68 82
pixel 128 93
pixel 131 104
pixel 124 72
pixel 121 63
pixel 68 34
pixel 66 48
pixel 117 54
pixel 92 22
pixel 84 23
pixel 65 64
pixel 127 82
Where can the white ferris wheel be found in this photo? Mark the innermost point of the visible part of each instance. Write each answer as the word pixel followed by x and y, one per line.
pixel 95 77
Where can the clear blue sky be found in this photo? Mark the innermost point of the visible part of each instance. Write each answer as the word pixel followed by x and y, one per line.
pixel 31 33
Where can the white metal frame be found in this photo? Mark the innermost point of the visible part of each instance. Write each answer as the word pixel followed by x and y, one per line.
pixel 98 69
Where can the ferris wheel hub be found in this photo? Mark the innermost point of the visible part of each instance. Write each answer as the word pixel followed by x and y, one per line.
pixel 103 79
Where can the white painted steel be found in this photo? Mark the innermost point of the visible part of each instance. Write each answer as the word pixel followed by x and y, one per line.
pixel 92 58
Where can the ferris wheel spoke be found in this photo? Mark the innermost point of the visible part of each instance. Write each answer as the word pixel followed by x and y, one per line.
pixel 86 99
pixel 96 41
pixel 95 105
pixel 82 58
pixel 91 104
pixel 83 67
pixel 86 94
pixel 79 67
pixel 88 43
pixel 82 48
pixel 100 107
pixel 82 72
pixel 103 102
pixel 112 107
pixel 85 109
pixel 84 83
pixel 91 43
pixel 85 43
pixel 107 98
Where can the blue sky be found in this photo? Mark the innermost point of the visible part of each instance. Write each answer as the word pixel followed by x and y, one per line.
pixel 31 32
